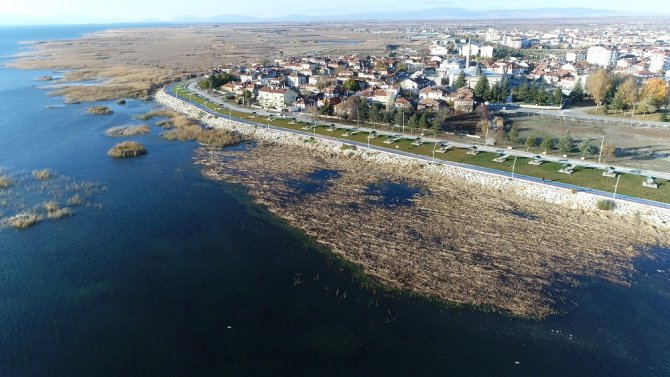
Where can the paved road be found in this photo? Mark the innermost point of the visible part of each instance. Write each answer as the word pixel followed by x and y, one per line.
pixel 519 153
pixel 579 114
pixel 604 194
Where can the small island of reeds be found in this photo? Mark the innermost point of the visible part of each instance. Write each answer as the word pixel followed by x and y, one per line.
pixel 127 149
pixel 99 110
pixel 5 182
pixel 128 130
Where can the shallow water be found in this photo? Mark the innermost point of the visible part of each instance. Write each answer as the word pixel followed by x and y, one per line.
pixel 175 275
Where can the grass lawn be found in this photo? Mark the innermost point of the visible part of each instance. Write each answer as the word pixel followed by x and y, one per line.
pixel 655 117
pixel 629 184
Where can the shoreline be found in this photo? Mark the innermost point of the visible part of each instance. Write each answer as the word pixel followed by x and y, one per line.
pixel 459 241
pixel 531 190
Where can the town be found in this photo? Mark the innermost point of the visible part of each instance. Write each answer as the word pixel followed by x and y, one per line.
pixel 624 68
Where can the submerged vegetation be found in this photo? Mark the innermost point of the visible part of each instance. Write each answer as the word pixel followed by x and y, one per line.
pixel 99 110
pixel 43 175
pixel 5 182
pixel 128 130
pixel 127 149
pixel 37 195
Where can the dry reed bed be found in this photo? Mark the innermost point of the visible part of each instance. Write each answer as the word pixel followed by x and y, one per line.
pixel 127 149
pixel 457 242
pixel 134 62
pixel 128 130
pixel 99 110
pixel 182 128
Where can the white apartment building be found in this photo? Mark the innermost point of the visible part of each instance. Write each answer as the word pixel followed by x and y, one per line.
pixel 276 98
pixel 601 56
pixel 659 62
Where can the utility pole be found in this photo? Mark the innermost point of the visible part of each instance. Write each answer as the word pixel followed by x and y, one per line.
pixel 602 144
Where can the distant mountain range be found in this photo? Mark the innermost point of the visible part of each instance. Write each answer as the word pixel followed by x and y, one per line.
pixel 441 13
pixel 430 14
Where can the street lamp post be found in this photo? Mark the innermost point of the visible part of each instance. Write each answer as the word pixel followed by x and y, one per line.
pixel 616 185
pixel 602 144
pixel 514 166
pixel 434 146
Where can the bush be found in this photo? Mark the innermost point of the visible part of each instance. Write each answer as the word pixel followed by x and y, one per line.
pixel 605 205
pixel 127 149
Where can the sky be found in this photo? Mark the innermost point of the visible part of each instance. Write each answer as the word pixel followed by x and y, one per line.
pixel 34 11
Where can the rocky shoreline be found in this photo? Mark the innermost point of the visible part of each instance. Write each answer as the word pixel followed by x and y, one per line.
pixel 466 237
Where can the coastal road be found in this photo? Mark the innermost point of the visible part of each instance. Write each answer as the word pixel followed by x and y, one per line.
pixel 458 144
pixel 510 175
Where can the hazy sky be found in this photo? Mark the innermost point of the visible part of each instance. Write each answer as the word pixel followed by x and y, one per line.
pixel 133 10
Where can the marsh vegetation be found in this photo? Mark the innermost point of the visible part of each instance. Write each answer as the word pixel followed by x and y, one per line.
pixel 41 195
pixel 128 130
pixel 99 110
pixel 452 240
pixel 127 149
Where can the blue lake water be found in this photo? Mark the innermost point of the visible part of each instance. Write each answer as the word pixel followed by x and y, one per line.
pixel 175 275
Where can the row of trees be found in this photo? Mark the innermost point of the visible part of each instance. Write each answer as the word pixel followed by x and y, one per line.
pixel 357 109
pixel 623 92
pixel 537 92
pixel 565 145
pixel 215 81
pixel 483 90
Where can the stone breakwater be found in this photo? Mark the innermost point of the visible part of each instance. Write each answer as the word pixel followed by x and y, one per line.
pixel 579 200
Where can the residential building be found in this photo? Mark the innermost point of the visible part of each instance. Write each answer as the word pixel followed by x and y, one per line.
pixel 602 56
pixel 276 99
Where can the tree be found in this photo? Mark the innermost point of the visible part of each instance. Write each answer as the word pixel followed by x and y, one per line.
pixel 399 118
pixel 423 121
pixel 350 85
pixel 460 80
pixel 586 148
pixel 547 143
pixel 482 87
pixel 530 141
pixel 327 108
pixel 483 112
pixel 413 121
pixel 513 135
pixel 565 144
pixel 577 92
pixel 557 98
pixel 598 84
pixel 626 95
pixel 656 92
pixel 375 115
pixel 494 94
pixel 609 151
pixel 436 124
pixel 483 127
